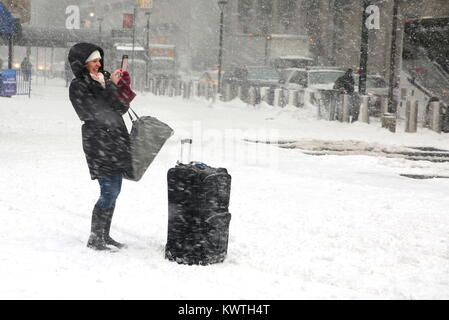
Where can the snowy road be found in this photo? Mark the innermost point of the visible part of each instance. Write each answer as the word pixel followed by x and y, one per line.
pixel 303 227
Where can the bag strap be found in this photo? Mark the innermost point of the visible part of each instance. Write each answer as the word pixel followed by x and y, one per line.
pixel 135 114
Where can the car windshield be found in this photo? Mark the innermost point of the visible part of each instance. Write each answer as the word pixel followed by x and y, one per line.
pixel 263 74
pixel 284 74
pixel 324 77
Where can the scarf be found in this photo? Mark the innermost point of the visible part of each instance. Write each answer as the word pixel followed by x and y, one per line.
pixel 99 78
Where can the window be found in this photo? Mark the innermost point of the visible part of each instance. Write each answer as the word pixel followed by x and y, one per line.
pixel 287 11
pixel 244 14
pixel 299 77
pixel 325 77
pixel 264 16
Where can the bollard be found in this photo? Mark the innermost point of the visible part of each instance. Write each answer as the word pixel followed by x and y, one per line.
pixel 160 87
pixel 195 89
pixel 189 89
pixel 252 95
pixel 214 92
pixel 178 86
pixel 265 94
pixel 435 116
pixel 383 105
pixel 319 104
pixel 293 98
pixel 278 98
pixel 227 92
pixel 171 88
pixel 207 91
pixel 333 105
pixel 408 108
pixel 364 112
pixel 184 90
pixel 389 121
pixel 411 117
pixel 345 108
pixel 240 93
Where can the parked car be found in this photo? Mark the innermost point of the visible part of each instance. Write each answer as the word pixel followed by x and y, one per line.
pixel 285 62
pixel 253 76
pixel 312 81
pixel 314 78
pixel 248 77
pixel 210 77
pixel 375 85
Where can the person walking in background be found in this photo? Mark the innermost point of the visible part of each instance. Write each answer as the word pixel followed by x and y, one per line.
pixel 26 68
pixel 345 85
pixel 97 99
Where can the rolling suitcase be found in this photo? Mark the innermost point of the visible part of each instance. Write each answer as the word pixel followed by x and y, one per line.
pixel 198 217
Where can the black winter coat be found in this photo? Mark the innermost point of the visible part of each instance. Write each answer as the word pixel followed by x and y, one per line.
pixel 105 136
pixel 345 83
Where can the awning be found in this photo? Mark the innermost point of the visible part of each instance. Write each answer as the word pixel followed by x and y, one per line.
pixel 7 21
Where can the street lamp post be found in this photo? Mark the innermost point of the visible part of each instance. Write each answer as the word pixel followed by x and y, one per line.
pixel 364 51
pixel 221 4
pixel 134 43
pixel 392 103
pixel 147 66
pixel 100 20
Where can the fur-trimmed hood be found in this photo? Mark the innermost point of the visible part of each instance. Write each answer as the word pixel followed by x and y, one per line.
pixel 78 55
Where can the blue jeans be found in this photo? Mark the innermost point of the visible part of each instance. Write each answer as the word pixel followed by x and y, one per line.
pixel 110 189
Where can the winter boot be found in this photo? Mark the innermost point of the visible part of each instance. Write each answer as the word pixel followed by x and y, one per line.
pixel 108 240
pixel 96 240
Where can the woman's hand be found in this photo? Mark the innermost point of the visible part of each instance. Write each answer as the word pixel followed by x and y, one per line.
pixel 116 76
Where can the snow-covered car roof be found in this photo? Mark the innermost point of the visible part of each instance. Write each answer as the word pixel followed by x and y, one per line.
pixel 128 47
pixel 295 58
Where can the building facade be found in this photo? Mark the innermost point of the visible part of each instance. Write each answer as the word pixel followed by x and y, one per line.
pixel 333 26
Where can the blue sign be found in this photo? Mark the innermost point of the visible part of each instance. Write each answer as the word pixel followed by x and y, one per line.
pixel 7 21
pixel 8 82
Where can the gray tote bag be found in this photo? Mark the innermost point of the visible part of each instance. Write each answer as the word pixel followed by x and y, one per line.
pixel 148 135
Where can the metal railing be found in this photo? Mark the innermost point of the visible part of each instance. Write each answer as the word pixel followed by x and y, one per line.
pixel 23 80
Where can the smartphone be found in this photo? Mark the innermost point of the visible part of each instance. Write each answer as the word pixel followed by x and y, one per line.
pixel 124 65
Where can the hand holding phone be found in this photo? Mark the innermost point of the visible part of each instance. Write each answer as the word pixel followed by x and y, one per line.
pixel 124 66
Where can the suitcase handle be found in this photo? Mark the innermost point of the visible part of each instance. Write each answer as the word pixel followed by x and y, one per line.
pixel 189 143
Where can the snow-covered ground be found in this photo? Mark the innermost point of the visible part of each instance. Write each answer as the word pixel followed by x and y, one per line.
pixel 303 227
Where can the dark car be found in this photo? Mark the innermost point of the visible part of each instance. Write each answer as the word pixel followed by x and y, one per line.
pixel 253 76
pixel 248 77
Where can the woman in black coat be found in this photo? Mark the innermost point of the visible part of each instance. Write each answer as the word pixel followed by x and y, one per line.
pixel 95 96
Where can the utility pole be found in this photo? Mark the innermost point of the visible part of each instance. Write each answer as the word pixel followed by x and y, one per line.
pixel 100 20
pixel 364 51
pixel 10 50
pixel 392 103
pixel 134 44
pixel 221 4
pixel 147 66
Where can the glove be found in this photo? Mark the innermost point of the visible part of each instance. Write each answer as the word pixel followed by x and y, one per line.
pixel 125 92
pixel 126 78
